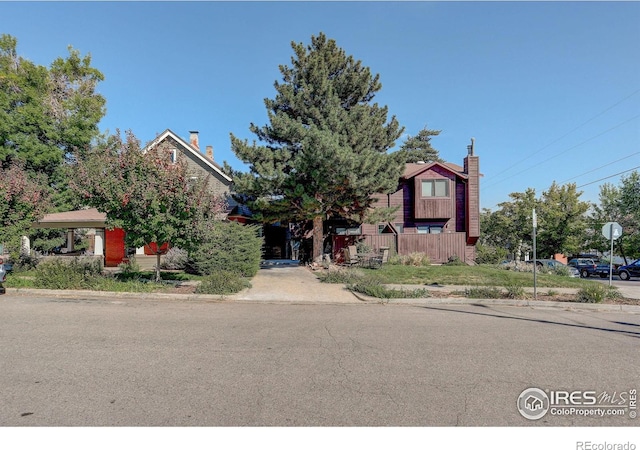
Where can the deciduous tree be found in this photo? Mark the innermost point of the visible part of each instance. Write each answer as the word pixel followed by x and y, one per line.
pixel 144 193
pixel 562 220
pixel 23 200
pixel 46 113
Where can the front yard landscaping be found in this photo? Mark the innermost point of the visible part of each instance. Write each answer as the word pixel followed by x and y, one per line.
pixel 481 281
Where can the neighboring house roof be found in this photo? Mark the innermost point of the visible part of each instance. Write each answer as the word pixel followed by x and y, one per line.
pixel 84 218
pixel 240 211
pixel 191 150
pixel 413 169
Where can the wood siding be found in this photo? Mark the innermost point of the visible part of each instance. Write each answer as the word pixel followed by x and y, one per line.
pixel 438 247
pixel 434 207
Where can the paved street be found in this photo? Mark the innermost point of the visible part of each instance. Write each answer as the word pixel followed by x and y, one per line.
pixel 119 362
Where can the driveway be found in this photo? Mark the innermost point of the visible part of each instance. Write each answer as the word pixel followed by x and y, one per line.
pixel 293 284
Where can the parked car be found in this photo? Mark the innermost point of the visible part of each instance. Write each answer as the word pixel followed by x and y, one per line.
pixel 585 266
pixel 3 275
pixel 630 270
pixel 556 265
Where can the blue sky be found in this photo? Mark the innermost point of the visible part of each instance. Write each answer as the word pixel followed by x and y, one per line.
pixel 549 90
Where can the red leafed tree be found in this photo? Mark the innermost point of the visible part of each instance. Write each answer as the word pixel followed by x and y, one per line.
pixel 152 198
pixel 23 200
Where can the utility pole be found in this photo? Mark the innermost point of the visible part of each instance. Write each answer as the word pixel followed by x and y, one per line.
pixel 535 264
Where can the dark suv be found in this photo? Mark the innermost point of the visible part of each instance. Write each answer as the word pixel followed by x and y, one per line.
pixel 586 266
pixel 630 270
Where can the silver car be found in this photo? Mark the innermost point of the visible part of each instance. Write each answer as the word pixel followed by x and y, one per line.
pixel 554 265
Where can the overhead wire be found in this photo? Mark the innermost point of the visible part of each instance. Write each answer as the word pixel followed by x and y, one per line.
pixel 610 176
pixel 568 133
pixel 564 151
pixel 600 167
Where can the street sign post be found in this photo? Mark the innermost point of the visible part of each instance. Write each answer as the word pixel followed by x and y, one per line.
pixel 611 231
pixel 534 216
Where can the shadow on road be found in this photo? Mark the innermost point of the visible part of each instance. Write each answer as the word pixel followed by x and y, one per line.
pixel 634 334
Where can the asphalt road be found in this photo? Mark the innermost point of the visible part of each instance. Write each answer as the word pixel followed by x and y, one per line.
pixel 117 362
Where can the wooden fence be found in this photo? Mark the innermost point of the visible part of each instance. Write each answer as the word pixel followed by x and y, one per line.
pixel 438 247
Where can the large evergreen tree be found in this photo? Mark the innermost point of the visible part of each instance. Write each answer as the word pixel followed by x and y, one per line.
pixel 325 148
pixel 418 148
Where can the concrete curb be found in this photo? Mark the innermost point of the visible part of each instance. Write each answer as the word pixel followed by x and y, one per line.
pixel 237 298
pixel 150 296
pixel 574 306
pixel 99 295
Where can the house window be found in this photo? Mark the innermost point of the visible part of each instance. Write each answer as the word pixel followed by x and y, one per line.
pixel 435 188
pixel 429 229
pixel 381 227
pixel 174 155
pixel 399 227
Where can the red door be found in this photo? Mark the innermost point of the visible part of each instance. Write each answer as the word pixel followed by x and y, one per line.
pixel 114 247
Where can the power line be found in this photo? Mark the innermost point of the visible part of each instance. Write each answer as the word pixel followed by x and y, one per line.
pixel 601 167
pixel 610 176
pixel 565 151
pixel 568 133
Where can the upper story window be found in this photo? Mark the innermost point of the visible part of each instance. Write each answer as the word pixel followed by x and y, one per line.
pixel 435 188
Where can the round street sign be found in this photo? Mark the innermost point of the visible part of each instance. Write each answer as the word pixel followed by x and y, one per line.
pixel 612 230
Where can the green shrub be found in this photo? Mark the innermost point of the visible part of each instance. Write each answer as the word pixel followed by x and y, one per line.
pixel 597 293
pixel 363 247
pixel 484 292
pixel 486 254
pixel 515 290
pixel 24 263
pixel 454 261
pixel 414 259
pixel 222 282
pixel 227 246
pixel 130 266
pixel 375 288
pixel 62 273
pixel 563 271
pixel 594 293
pixel 175 259
pixel 346 276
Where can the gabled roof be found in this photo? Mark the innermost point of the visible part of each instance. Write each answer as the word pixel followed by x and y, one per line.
pixel 189 148
pixel 413 169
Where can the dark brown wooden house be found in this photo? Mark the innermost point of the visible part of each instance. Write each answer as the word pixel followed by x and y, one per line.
pixel 439 212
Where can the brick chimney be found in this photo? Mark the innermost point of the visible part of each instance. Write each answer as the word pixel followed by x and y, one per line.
pixel 472 169
pixel 210 152
pixel 193 139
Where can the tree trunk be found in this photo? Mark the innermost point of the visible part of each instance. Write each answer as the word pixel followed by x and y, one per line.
pixel 317 239
pixel 157 267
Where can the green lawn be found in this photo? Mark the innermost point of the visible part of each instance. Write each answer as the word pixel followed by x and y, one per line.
pixel 481 275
